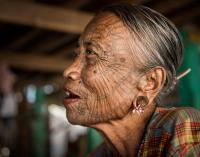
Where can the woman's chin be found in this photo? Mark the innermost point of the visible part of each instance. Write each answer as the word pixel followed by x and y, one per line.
pixel 77 120
pixel 82 123
pixel 87 121
pixel 82 120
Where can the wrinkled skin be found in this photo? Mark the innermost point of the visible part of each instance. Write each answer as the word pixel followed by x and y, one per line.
pixel 104 73
pixel 105 76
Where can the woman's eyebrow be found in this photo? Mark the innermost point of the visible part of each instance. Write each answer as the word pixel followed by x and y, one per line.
pixel 93 43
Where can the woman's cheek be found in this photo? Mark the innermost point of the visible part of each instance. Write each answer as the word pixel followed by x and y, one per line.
pixel 95 82
pixel 89 77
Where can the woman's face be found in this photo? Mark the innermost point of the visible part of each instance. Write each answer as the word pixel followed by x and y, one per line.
pixel 101 82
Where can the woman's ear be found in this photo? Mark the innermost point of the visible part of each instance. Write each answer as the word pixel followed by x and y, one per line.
pixel 152 82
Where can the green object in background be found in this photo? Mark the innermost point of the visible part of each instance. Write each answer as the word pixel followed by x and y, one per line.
pixel 39 129
pixel 189 87
pixel 94 139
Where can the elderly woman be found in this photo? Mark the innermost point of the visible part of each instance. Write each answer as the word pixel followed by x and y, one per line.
pixel 126 61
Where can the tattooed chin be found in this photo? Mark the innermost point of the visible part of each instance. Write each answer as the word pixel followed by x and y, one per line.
pixel 82 114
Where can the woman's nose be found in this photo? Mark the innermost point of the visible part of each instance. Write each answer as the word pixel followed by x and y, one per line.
pixel 73 72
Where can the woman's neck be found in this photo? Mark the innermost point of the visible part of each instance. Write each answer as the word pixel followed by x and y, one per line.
pixel 124 136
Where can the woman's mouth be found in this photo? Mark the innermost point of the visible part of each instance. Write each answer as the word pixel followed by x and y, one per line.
pixel 70 97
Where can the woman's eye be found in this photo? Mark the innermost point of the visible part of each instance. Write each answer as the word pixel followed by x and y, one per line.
pixel 89 52
pixel 91 57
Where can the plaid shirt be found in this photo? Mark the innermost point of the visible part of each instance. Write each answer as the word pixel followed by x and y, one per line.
pixel 172 132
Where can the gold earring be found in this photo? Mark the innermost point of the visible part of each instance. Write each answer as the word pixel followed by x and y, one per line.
pixel 139 104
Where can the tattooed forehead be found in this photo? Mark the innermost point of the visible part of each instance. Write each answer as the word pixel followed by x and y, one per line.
pixel 104 29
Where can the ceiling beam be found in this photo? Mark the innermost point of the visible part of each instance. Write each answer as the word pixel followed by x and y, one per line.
pixel 75 4
pixel 24 39
pixel 186 15
pixel 51 42
pixel 137 2
pixel 35 62
pixel 168 6
pixel 43 16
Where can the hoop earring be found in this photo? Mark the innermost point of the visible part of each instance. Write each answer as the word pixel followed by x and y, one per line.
pixel 139 104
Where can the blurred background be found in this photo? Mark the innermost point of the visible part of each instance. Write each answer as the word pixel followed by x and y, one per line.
pixel 37 38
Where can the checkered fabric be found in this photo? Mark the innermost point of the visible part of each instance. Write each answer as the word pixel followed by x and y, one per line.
pixel 171 132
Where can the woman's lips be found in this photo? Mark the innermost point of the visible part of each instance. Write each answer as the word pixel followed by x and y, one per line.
pixel 68 101
pixel 70 97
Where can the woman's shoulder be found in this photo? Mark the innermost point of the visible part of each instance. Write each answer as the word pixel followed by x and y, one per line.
pixel 165 117
pixel 186 132
pixel 170 130
pixel 181 125
pixel 187 113
pixel 175 124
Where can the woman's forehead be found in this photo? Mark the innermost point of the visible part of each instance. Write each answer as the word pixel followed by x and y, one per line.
pixel 105 26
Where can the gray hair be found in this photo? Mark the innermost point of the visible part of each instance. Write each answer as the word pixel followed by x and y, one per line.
pixel 158 40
